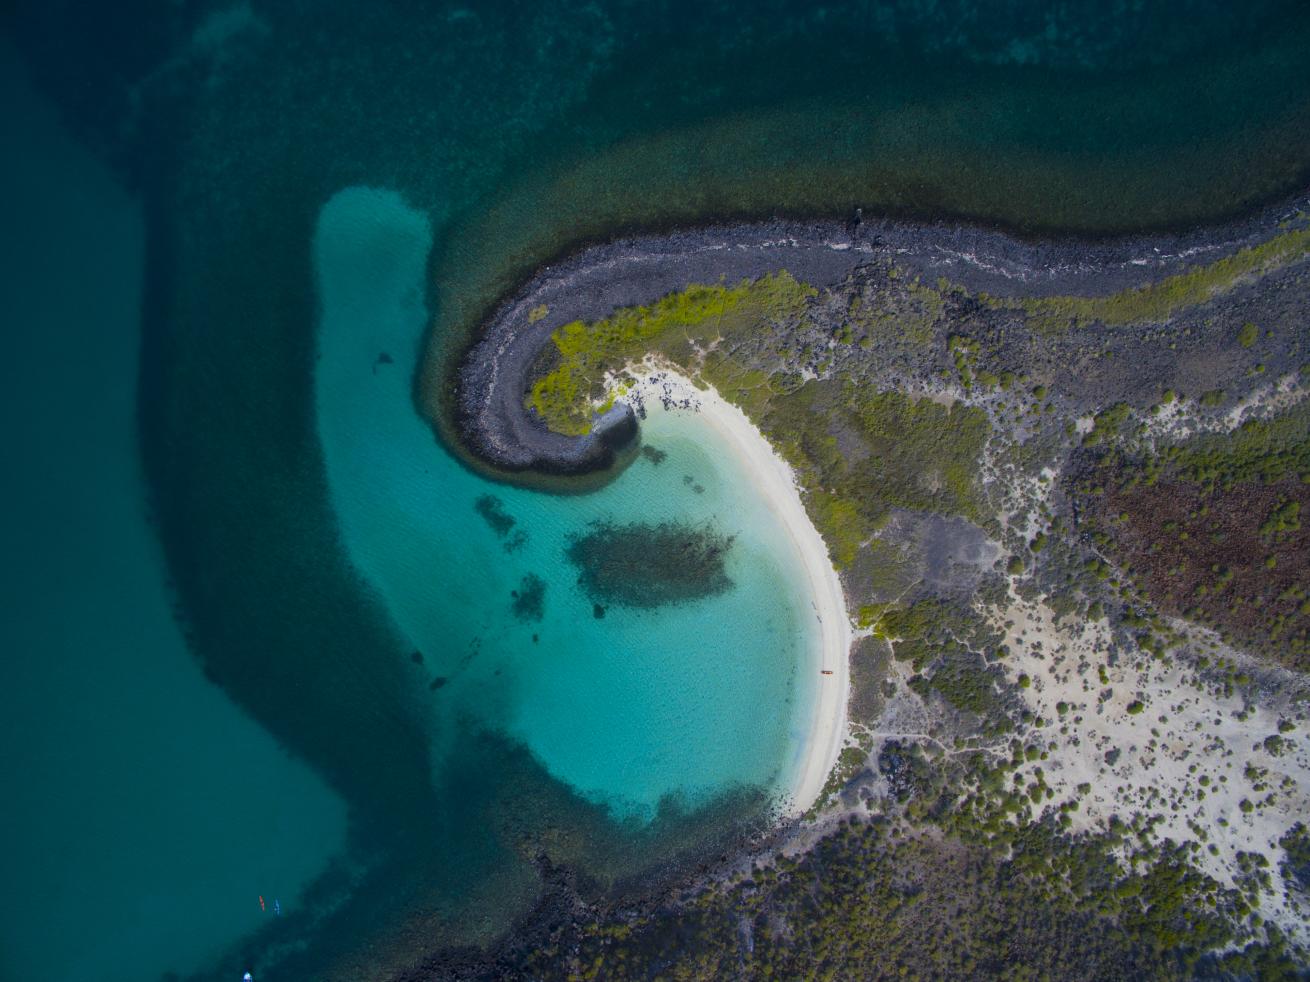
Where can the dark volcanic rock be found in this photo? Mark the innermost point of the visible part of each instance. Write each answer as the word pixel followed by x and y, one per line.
pixel 490 414
pixel 496 428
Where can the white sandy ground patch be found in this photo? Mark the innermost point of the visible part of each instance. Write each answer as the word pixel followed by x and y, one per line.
pixel 1179 419
pixel 1196 760
pixel 1189 756
pixel 775 481
pixel 1186 754
pixel 1188 759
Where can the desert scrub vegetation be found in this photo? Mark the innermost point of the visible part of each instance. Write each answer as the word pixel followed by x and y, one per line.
pixel 1159 301
pixel 583 353
pixel 869 662
pixel 920 631
pixel 1260 450
pixel 1295 868
pixel 1210 528
pixel 950 648
pixel 858 452
pixel 873 901
pixel 896 308
pixel 1107 423
pixel 966 683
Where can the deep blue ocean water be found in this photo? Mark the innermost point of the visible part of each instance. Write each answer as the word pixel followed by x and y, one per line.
pixel 228 530
pixel 142 806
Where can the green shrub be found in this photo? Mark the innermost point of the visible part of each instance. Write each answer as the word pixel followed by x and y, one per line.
pixel 1159 301
pixel 586 351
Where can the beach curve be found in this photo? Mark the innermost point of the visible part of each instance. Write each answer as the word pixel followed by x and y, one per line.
pixel 776 483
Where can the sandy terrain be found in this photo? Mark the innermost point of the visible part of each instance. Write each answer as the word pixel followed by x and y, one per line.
pixel 1155 737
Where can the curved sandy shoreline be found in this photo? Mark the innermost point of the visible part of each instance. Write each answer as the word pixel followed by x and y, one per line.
pixel 776 483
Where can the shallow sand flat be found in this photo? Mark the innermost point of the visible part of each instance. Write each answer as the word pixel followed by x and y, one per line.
pixel 776 483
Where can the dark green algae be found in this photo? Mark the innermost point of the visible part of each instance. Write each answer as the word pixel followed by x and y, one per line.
pixel 645 565
pixel 525 136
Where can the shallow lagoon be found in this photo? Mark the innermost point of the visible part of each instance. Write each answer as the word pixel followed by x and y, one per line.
pixel 636 706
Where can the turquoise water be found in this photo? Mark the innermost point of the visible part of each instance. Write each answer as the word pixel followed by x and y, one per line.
pixel 680 702
pixel 142 810
pixel 314 533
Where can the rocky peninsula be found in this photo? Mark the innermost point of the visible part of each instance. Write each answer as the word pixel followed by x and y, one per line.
pixel 492 378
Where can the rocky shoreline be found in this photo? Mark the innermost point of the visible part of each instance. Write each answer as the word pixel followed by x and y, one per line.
pixel 492 377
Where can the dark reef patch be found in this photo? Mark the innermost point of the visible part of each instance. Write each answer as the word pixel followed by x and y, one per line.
pixel 493 512
pixel 654 454
pixel 647 566
pixel 530 598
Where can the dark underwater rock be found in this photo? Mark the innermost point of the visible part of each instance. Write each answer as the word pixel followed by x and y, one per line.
pixel 493 512
pixel 643 565
pixel 530 598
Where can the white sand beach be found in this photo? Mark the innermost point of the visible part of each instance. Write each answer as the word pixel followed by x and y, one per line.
pixel 777 484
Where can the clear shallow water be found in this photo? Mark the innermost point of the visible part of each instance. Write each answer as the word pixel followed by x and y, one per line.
pixel 629 709
pixel 143 813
